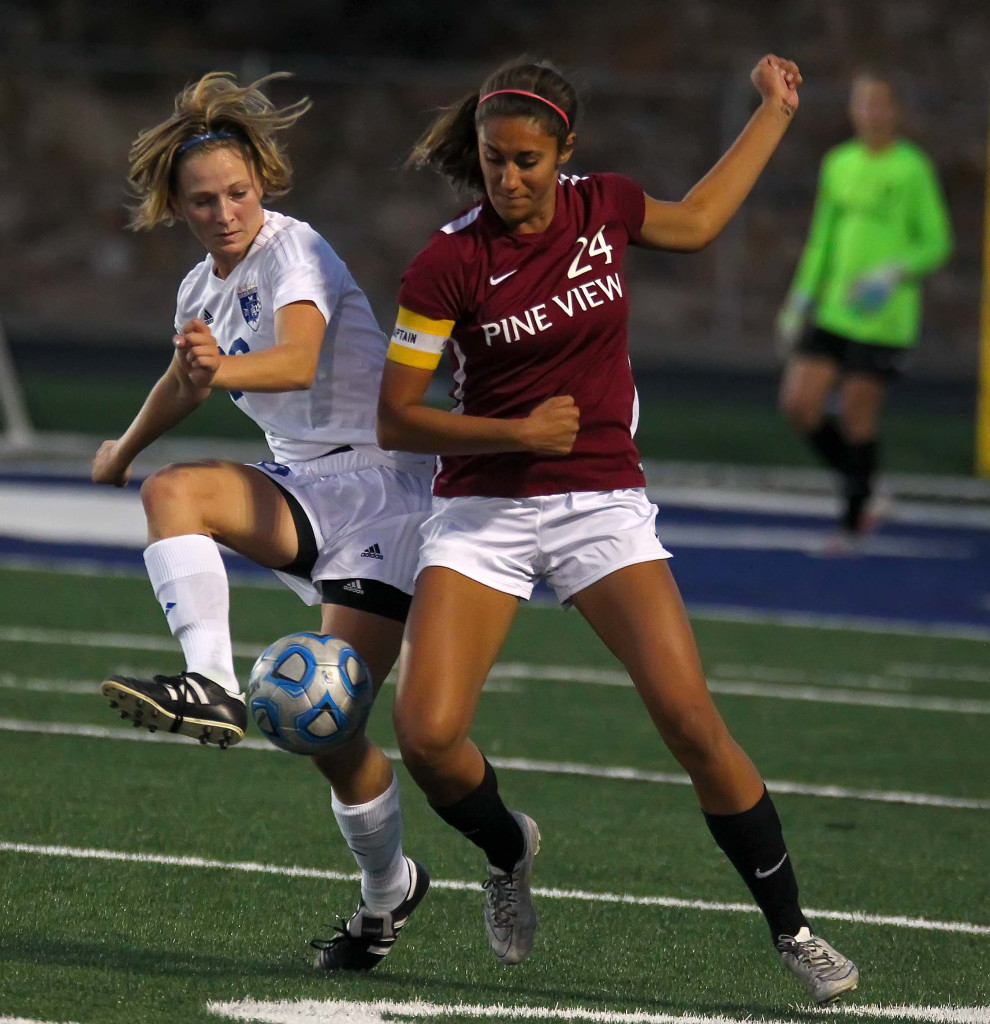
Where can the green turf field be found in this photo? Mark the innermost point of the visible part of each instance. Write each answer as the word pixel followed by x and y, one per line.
pixel 98 925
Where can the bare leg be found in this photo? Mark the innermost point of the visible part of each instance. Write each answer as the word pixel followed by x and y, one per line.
pixel 456 628
pixel 639 615
pixel 638 612
pixel 804 391
pixel 237 506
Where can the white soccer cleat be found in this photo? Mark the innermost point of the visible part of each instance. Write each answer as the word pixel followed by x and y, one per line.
pixel 824 971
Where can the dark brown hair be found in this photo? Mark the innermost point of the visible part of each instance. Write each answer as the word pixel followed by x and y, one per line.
pixel 450 144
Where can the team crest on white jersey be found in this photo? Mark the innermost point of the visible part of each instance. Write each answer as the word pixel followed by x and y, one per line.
pixel 250 305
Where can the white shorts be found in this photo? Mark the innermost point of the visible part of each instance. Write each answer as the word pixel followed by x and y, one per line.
pixel 570 540
pixel 366 519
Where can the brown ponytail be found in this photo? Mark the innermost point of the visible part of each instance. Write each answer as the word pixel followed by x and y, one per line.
pixel 450 144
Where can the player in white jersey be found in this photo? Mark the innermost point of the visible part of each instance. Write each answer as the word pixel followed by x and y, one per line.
pixel 273 317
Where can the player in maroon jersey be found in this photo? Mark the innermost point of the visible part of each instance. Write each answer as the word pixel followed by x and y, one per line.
pixel 539 475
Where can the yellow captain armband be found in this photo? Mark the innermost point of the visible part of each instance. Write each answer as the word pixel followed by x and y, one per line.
pixel 418 341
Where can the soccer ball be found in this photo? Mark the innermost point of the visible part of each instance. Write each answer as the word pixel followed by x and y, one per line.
pixel 309 693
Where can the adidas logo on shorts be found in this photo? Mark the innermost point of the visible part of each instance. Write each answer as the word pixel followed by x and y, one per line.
pixel 354 586
pixel 373 552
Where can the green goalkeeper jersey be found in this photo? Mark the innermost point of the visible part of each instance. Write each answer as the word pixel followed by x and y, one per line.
pixel 874 211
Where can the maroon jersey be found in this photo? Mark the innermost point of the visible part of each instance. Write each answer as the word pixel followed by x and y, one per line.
pixel 526 317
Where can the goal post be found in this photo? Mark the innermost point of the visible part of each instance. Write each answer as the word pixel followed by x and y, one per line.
pixel 983 394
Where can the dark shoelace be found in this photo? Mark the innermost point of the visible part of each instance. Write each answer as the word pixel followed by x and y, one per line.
pixel 340 933
pixel 502 896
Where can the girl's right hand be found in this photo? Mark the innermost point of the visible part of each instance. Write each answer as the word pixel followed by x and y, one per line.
pixel 552 427
pixel 107 468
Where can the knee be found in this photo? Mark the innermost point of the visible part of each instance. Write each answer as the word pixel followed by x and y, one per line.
pixel 426 742
pixel 168 487
pixel 696 737
pixel 802 415
pixel 858 430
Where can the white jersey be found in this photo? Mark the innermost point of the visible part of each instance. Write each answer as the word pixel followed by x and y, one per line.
pixel 289 262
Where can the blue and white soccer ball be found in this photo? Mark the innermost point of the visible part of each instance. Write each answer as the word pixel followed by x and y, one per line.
pixel 309 693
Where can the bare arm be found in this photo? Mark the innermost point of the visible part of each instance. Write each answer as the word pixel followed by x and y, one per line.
pixel 701 215
pixel 170 401
pixel 289 366
pixel 406 424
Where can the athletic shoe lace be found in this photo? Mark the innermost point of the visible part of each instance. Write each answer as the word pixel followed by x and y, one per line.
pixel 340 933
pixel 502 896
pixel 816 955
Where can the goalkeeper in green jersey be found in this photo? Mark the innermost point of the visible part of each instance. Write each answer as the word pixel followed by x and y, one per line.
pixel 853 312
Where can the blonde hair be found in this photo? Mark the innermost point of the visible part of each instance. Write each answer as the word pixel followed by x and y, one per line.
pixel 229 115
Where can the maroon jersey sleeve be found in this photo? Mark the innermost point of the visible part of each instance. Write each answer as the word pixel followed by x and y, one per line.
pixel 433 283
pixel 629 202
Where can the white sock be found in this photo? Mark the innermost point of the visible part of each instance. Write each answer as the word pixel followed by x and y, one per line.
pixel 373 832
pixel 190 582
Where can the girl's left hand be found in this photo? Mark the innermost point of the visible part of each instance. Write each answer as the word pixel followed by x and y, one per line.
pixel 777 79
pixel 199 352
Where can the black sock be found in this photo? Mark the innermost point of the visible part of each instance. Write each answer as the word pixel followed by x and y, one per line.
pixel 754 843
pixel 483 818
pixel 829 445
pixel 861 464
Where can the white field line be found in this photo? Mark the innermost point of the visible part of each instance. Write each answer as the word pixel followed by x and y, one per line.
pixel 124 641
pixel 581 895
pixel 617 774
pixel 379 1011
pixel 887 683
pixel 68 687
pixel 775 691
pixel 90 688
pixel 515 670
pixel 896 676
pixel 843 623
pixel 24 1020
pixel 950 673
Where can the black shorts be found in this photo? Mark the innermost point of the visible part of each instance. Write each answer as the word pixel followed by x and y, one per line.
pixel 363 594
pixel 888 362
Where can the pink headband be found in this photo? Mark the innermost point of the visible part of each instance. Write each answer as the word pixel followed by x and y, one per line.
pixel 532 95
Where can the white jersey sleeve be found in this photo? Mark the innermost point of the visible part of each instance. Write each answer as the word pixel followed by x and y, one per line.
pixel 290 262
pixel 301 267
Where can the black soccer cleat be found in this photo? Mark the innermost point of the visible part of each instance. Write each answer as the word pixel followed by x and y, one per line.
pixel 368 937
pixel 188 703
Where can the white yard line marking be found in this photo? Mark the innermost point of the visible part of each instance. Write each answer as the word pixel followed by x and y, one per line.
pixel 86 687
pixel 90 687
pixel 887 683
pixel 378 1011
pixel 844 623
pixel 620 774
pixel 521 670
pixel 582 895
pixel 950 673
pixel 25 1020
pixel 125 641
pixel 774 691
